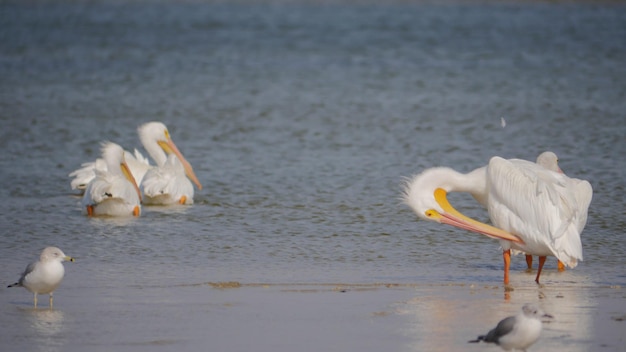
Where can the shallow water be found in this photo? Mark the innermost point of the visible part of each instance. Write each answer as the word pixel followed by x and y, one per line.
pixel 301 121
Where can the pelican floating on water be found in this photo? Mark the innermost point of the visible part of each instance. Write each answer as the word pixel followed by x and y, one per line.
pixel 113 191
pixel 168 182
pixel 534 210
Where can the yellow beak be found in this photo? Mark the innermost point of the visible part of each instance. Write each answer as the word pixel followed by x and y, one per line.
pixel 453 217
pixel 169 147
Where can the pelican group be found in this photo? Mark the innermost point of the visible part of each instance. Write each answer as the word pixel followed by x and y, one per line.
pixel 533 209
pixel 168 182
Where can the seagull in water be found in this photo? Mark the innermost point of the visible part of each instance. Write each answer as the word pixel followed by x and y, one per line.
pixel 45 275
pixel 517 332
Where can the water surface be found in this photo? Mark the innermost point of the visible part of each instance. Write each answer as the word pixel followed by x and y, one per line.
pixel 301 121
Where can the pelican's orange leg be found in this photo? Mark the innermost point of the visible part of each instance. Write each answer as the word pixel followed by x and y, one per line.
pixel 182 200
pixel 136 211
pixel 506 255
pixel 90 210
pixel 542 261
pixel 529 261
pixel 561 266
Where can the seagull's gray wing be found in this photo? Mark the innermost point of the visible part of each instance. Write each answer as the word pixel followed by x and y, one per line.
pixel 29 269
pixel 504 327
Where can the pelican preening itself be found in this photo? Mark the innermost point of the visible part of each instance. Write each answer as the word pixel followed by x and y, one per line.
pixel 168 182
pixel 113 191
pixel 534 210
pixel 44 275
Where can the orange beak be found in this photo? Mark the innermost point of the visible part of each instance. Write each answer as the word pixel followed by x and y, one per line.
pixel 451 216
pixel 129 176
pixel 169 147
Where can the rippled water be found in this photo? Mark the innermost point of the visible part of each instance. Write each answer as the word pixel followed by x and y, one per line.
pixel 301 120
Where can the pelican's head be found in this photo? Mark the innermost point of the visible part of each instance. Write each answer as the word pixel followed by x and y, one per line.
pixel 54 253
pixel 152 133
pixel 426 194
pixel 550 161
pixel 419 192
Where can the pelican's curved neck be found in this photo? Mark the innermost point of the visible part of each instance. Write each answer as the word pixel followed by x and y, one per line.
pixel 473 182
pixel 418 192
pixel 154 150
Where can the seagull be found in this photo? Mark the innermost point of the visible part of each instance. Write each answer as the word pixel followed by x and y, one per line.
pixel 517 332
pixel 45 275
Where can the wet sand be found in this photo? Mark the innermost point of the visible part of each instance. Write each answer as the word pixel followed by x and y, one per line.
pixel 236 316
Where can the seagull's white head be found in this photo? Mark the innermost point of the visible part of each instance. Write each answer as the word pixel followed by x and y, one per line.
pixel 54 253
pixel 534 312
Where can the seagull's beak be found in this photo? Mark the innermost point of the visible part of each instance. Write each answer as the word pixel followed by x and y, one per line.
pixel 451 216
pixel 547 316
pixel 169 147
pixel 67 258
pixel 129 176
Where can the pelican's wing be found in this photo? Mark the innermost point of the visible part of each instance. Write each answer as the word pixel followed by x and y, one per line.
pixel 138 165
pixel 86 174
pixel 537 204
pixel 107 186
pixel 583 193
pixel 167 184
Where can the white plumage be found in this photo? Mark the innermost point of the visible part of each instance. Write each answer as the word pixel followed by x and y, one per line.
pixel 44 275
pixel 517 332
pixel 533 209
pixel 113 191
pixel 168 182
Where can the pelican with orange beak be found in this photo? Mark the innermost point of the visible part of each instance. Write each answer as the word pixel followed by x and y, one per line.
pixel 169 182
pixel 533 210
pixel 113 191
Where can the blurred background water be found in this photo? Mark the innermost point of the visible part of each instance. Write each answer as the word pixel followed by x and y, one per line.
pixel 301 119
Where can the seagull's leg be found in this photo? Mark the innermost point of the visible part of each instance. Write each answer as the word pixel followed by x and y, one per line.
pixel 542 260
pixel 136 211
pixel 182 200
pixel 35 299
pixel 50 300
pixel 529 261
pixel 560 265
pixel 90 210
pixel 506 255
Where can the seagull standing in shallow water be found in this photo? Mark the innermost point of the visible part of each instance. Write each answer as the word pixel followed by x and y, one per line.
pixel 45 275
pixel 517 332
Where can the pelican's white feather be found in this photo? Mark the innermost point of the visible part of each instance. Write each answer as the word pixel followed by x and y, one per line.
pixel 111 192
pixel 538 205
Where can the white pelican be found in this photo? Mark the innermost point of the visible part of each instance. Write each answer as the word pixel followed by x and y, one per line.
pixel 113 191
pixel 136 162
pixel 44 275
pixel 162 184
pixel 534 210
pixel 550 161
pixel 167 183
